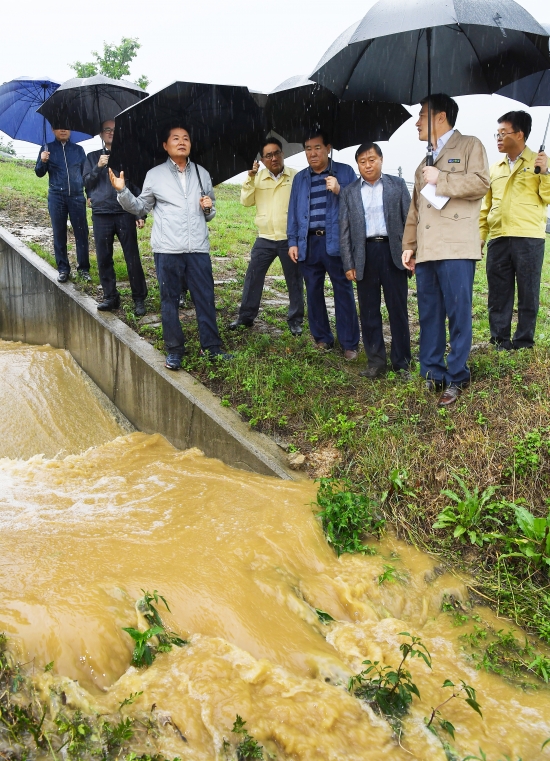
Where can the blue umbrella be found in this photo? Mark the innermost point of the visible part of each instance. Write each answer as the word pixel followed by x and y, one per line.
pixel 19 100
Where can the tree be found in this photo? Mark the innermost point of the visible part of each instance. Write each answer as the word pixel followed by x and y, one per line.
pixel 114 63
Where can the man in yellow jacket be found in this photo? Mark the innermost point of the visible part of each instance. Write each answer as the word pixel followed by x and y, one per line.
pixel 513 216
pixel 269 190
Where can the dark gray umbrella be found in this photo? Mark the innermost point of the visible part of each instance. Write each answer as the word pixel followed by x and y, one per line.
pixel 403 50
pixel 225 123
pixel 297 105
pixel 85 103
pixel 533 90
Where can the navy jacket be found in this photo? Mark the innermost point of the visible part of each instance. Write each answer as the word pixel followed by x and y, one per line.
pixel 99 189
pixel 64 168
pixel 353 229
pixel 298 210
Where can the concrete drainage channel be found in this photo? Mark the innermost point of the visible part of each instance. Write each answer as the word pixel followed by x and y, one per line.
pixel 35 309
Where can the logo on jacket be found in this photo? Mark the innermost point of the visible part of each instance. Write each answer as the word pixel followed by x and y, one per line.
pixel 454 161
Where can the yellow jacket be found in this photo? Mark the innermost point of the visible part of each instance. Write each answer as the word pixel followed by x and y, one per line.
pixel 271 198
pixel 517 201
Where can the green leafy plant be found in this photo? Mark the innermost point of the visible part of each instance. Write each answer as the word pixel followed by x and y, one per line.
pixel 130 700
pixel 145 651
pixel 526 456
pixel 387 689
pixel 535 542
pixel 346 516
pixel 391 574
pixel 116 735
pixel 463 692
pixel 248 747
pixel 76 731
pixel 469 511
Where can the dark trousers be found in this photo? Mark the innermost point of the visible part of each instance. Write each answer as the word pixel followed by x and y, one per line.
pixel 511 260
pixel 174 271
pixel 62 207
pixel 106 226
pixel 263 254
pixel 381 273
pixel 445 289
pixel 314 269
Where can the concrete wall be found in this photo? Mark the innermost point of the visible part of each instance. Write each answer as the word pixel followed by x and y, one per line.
pixel 36 309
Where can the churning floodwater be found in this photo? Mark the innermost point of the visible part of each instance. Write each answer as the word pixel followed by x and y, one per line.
pixel 91 515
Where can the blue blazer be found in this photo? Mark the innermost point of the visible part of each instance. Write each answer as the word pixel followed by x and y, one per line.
pixel 298 210
pixel 64 168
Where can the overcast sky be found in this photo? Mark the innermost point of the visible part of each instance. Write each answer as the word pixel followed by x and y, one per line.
pixel 243 42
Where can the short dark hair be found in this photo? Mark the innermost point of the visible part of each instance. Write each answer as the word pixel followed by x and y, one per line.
pixel 270 141
pixel 165 134
pixel 520 120
pixel 364 147
pixel 441 103
pixel 316 132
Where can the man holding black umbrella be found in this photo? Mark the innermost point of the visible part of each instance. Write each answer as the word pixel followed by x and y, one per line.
pixel 441 244
pixel 181 194
pixel 63 161
pixel 513 215
pixel 110 219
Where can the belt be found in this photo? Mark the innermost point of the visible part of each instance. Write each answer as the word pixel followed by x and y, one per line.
pixel 378 239
pixel 317 231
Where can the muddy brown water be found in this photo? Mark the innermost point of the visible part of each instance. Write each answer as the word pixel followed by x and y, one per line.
pixel 91 514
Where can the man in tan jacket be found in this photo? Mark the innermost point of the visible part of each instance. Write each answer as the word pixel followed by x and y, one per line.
pixel 269 190
pixel 441 245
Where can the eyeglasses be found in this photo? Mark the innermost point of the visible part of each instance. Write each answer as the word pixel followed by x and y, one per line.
pixel 109 130
pixel 498 135
pixel 274 155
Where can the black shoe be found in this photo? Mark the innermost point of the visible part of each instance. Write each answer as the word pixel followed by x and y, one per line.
pixel 173 361
pixel 374 372
pixel 238 322
pixel 107 305
pixel 216 354
pixel 62 277
pixel 139 307
pixel 85 275
pixel 295 328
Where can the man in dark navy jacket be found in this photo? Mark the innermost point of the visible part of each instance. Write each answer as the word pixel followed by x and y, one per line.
pixel 314 242
pixel 373 212
pixel 110 219
pixel 64 161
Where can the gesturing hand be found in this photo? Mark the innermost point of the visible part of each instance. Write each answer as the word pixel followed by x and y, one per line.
pixel 254 171
pixel 117 182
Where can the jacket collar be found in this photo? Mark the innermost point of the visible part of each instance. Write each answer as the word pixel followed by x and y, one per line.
pixel 526 156
pixel 450 145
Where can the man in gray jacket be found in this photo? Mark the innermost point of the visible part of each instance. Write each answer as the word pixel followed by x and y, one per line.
pixel 181 194
pixel 373 211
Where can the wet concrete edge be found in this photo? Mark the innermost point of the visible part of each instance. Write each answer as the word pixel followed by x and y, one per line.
pixel 36 309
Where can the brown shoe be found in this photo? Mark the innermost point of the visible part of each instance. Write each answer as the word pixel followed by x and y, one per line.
pixel 449 396
pixel 324 346
pixel 350 354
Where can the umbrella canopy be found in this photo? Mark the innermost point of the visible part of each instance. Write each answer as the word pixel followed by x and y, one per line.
pixel 85 103
pixel 297 105
pixel 19 100
pixel 533 90
pixel 476 46
pixel 225 123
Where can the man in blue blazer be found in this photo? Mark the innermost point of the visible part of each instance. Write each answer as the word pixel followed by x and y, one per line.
pixel 314 242
pixel 373 211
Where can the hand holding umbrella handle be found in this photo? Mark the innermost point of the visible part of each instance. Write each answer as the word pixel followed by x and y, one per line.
pixel 537 168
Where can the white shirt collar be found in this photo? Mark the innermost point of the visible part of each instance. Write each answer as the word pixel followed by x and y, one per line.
pixel 277 176
pixel 177 167
pixel 371 184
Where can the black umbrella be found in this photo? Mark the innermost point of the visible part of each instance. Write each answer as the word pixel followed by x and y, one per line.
pixel 297 105
pixel 85 103
pixel 225 123
pixel 402 51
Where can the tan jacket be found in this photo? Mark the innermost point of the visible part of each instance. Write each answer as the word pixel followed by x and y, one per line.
pixel 452 232
pixel 271 198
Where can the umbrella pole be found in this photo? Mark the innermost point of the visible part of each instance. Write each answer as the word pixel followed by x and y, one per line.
pixel 430 154
pixel 537 168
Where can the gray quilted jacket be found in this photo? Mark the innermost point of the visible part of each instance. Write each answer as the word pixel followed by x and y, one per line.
pixel 179 223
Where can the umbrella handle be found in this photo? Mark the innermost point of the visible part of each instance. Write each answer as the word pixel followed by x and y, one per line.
pixel 537 168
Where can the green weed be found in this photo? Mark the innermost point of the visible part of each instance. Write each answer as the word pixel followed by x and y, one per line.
pixel 469 511
pixel 459 692
pixel 346 516
pixel 145 651
pixel 247 747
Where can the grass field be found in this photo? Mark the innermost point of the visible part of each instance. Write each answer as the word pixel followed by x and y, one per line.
pixel 386 437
